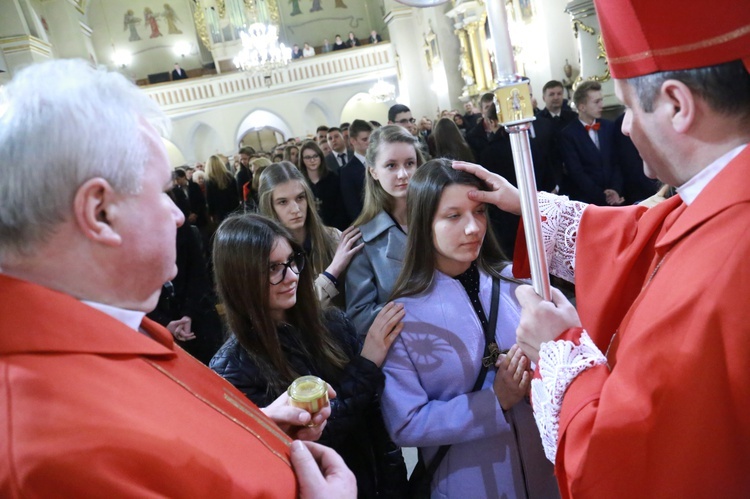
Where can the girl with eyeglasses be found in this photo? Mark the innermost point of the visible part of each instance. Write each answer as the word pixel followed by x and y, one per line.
pixel 392 158
pixel 324 184
pixel 437 391
pixel 285 196
pixel 279 332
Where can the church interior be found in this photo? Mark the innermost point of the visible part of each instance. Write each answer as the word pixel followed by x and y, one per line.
pixel 430 58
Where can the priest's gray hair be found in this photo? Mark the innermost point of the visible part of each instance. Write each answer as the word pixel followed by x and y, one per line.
pixel 62 123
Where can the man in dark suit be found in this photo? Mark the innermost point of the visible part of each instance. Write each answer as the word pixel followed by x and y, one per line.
pixel 352 176
pixel 479 136
pixel 178 73
pixel 375 37
pixel 189 198
pixel 558 115
pixel 339 155
pixel 244 175
pixel 588 151
pixel 472 115
pixel 552 95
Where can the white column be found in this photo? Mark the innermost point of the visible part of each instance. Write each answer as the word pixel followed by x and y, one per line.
pixel 591 49
pixel 505 65
pixel 408 42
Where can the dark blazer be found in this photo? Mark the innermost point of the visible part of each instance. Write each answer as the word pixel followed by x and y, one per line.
pixel 181 75
pixel 197 203
pixel 554 156
pixel 332 161
pixel 376 39
pixel 243 176
pixel 328 199
pixel 191 294
pixel 635 183
pixel 477 138
pixel 590 170
pixel 220 202
pixel 566 117
pixel 352 183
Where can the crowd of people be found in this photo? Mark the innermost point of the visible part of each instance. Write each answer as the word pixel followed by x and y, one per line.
pixel 339 43
pixel 377 258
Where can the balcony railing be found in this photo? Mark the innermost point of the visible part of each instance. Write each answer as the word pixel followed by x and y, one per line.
pixel 349 65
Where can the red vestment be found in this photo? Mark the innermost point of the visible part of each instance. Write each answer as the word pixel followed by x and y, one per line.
pixel 92 408
pixel 670 415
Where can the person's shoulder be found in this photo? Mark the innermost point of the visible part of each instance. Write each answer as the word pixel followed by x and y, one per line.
pixel 544 113
pixel 333 232
pixel 341 329
pixel 379 224
pixel 572 128
pixel 227 357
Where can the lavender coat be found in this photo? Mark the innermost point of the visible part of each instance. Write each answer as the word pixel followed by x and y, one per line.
pixel 427 402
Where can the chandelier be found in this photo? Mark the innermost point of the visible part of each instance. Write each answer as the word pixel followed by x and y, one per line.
pixel 382 91
pixel 261 50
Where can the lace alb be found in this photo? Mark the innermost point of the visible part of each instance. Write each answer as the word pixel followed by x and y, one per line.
pixel 559 363
pixel 560 220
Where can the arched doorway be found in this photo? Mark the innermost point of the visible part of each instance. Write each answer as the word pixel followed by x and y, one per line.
pixel 262 130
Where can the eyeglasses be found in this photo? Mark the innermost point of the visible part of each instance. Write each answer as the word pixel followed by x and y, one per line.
pixel 277 271
pixel 406 121
pixel 310 158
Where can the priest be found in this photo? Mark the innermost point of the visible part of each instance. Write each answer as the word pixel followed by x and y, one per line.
pixel 643 391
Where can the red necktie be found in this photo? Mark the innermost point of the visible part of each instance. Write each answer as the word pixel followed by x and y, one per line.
pixel 594 127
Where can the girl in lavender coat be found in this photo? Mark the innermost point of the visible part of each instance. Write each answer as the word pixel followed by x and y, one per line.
pixel 445 286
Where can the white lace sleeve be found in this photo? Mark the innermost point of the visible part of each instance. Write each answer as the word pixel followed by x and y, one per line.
pixel 559 363
pixel 560 220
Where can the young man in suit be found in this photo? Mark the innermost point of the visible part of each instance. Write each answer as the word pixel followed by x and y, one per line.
pixel 339 155
pixel 352 176
pixel 588 150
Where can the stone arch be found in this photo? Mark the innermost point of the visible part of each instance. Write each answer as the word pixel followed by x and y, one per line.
pixel 205 141
pixel 176 158
pixel 316 113
pixel 362 106
pixel 260 119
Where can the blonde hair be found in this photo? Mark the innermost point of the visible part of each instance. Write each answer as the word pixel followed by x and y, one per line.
pixel 217 173
pixel 376 199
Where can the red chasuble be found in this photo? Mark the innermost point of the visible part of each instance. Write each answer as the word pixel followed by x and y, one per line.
pixel 670 415
pixel 92 408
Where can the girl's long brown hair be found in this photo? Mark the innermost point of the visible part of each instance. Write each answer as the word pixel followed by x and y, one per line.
pixel 423 197
pixel 241 256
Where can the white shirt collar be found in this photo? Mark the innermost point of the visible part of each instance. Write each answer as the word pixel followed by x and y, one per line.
pixel 131 318
pixel 360 157
pixel 690 189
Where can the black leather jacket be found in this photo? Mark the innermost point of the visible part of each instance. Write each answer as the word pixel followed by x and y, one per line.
pixel 355 428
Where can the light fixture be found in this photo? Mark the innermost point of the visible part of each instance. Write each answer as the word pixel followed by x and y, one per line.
pixel 261 50
pixel 182 48
pixel 122 58
pixel 382 91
